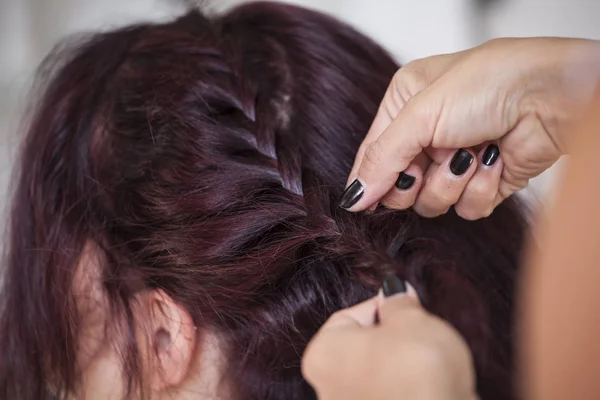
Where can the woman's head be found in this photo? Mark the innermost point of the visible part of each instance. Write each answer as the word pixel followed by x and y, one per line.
pixel 175 217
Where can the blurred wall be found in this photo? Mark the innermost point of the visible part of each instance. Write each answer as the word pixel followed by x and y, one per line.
pixel 571 18
pixel 408 28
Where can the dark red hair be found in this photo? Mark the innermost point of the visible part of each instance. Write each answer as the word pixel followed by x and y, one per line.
pixel 205 156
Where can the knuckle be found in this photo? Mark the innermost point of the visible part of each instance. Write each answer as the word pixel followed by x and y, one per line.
pixel 439 197
pixel 373 154
pixel 468 213
pixel 427 211
pixel 468 216
pixel 413 73
pixel 480 190
pixel 444 199
pixel 512 181
pixel 487 212
pixel 434 202
pixel 408 81
pixel 477 201
pixel 398 202
pixel 394 205
pixel 362 149
pixel 508 188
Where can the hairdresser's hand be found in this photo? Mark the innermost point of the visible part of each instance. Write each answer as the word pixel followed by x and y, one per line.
pixel 471 128
pixel 410 354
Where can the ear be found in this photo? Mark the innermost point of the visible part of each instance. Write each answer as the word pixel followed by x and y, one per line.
pixel 170 340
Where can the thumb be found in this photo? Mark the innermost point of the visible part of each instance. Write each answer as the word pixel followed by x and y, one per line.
pixel 360 315
pixel 396 297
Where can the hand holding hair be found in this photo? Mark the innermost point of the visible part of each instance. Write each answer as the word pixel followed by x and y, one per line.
pixel 471 128
pixel 404 353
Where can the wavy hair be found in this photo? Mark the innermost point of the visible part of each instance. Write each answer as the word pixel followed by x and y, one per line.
pixel 205 156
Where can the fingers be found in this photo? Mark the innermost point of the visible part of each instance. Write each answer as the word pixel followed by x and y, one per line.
pixel 474 191
pixel 407 186
pixel 445 183
pixel 480 196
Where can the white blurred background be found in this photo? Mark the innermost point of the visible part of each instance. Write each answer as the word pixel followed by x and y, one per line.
pixel 408 28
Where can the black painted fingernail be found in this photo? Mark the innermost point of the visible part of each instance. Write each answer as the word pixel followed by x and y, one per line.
pixel 405 181
pixel 393 285
pixel 490 155
pixel 352 194
pixel 461 162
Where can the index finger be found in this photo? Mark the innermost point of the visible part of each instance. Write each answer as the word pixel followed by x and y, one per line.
pixel 410 80
pixel 387 111
pixel 392 152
